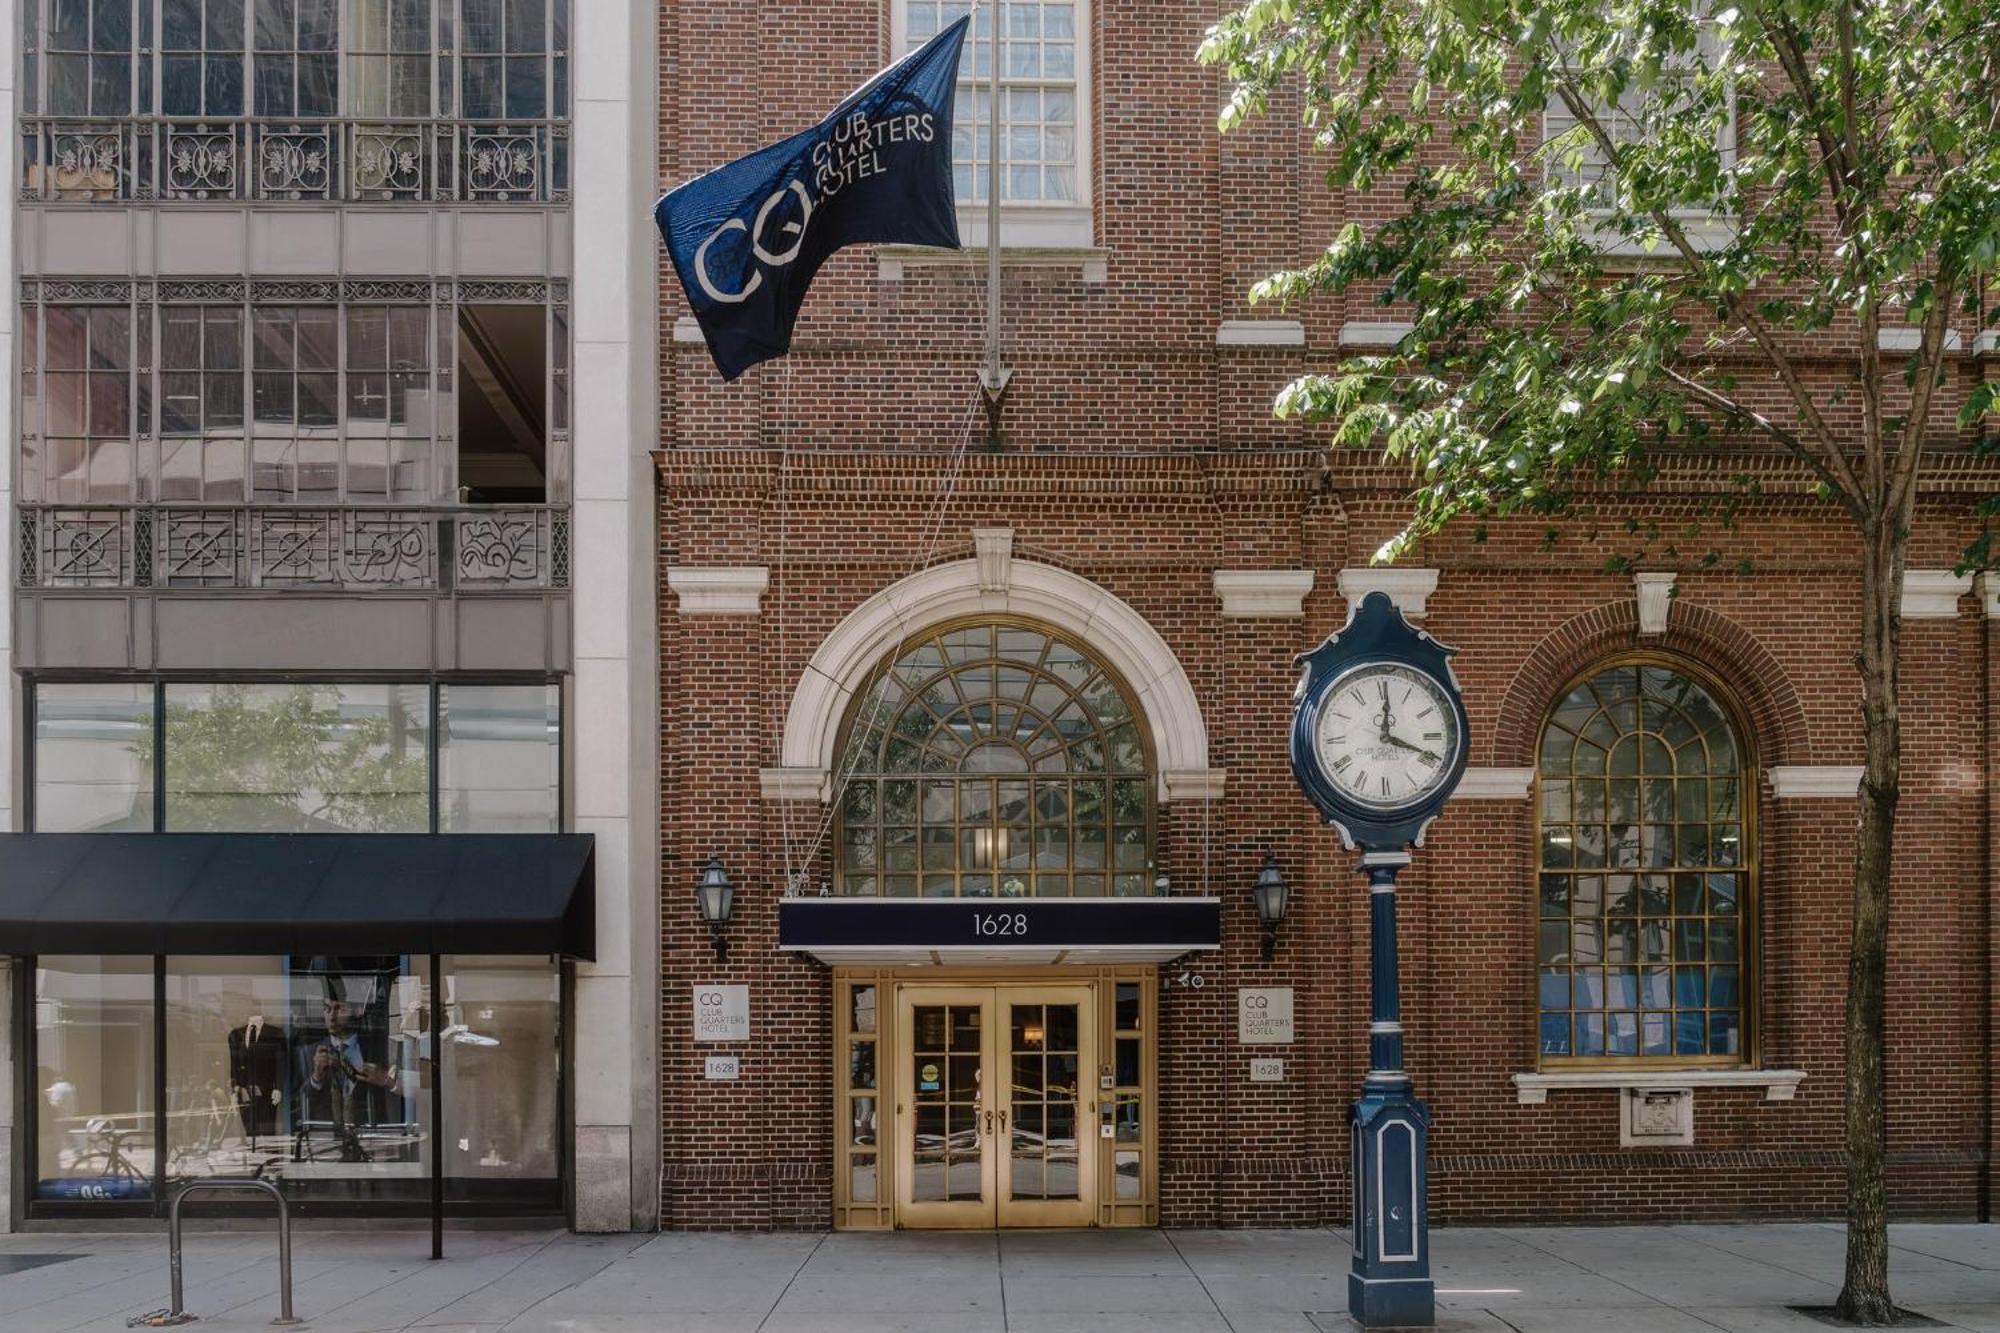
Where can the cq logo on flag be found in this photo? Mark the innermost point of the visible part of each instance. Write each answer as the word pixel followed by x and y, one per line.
pixel 755 229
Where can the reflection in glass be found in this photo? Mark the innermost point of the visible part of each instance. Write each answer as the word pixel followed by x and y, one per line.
pixel 359 1030
pixel 93 1077
pixel 298 758
pixel 229 1057
pixel 502 1047
pixel 945 1079
pixel 94 758
pixel 994 760
pixel 499 758
pixel 1666 817
pixel 1043 1102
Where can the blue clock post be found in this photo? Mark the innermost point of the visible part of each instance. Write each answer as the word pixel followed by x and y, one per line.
pixel 1378 744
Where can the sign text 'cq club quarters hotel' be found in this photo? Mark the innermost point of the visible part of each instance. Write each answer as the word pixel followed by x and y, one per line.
pixel 466 748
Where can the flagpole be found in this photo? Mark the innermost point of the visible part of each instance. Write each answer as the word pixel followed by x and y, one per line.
pixel 993 379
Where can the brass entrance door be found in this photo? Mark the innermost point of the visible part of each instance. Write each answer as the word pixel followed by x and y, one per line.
pixel 996 1115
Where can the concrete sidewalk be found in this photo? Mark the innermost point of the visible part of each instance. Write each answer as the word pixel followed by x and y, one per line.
pixel 1533 1280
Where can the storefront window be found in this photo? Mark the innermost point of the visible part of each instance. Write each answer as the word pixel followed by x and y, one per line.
pixel 499 758
pixel 502 1048
pixel 230 1057
pixel 94 1078
pixel 358 1032
pixel 247 758
pixel 94 758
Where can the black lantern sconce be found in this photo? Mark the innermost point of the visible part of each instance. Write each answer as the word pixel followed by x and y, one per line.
pixel 1272 895
pixel 716 897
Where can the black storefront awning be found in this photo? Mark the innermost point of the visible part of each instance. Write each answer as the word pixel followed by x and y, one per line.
pixel 297 893
pixel 973 931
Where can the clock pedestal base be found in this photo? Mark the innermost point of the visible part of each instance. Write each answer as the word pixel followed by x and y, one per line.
pixel 1389 1283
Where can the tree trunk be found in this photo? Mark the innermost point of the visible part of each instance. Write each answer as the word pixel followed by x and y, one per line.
pixel 1864 1295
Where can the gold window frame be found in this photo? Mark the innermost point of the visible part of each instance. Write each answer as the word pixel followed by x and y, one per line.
pixel 924 868
pixel 1748 868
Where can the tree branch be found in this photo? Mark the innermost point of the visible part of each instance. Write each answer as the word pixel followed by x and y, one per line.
pixel 1721 402
pixel 1930 370
pixel 1827 443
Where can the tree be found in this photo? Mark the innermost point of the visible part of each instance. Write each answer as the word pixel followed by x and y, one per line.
pixel 293 760
pixel 1635 277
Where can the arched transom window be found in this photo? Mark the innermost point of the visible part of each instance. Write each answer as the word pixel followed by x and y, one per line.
pixel 994 759
pixel 1645 872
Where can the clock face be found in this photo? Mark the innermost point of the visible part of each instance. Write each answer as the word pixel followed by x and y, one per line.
pixel 1386 735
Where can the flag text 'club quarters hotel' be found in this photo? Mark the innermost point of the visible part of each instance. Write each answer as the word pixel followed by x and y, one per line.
pixel 373 482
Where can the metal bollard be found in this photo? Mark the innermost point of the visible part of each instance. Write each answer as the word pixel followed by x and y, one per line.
pixel 178 1315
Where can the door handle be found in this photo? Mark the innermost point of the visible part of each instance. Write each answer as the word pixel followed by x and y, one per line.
pixel 989 1124
pixel 1003 1124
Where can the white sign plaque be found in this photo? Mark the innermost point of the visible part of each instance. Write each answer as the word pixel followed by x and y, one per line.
pixel 1264 1015
pixel 721 1013
pixel 1267 1071
pixel 723 1067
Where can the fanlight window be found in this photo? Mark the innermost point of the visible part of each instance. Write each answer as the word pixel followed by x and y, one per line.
pixel 995 760
pixel 1646 943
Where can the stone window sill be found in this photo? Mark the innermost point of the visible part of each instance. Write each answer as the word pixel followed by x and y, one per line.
pixel 1779 1085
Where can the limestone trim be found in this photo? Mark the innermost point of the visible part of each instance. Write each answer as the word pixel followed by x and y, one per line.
pixel 1409 589
pixel 1779 1085
pixel 1260 333
pixel 1795 781
pixel 1495 784
pixel 1276 594
pixel 721 591
pixel 1374 333
pixel 1092 615
pixel 1932 594
pixel 1199 784
pixel 1988 589
pixel 993 548
pixel 792 784
pixel 1655 595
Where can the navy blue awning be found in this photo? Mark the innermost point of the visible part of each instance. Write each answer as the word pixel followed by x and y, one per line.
pixel 297 893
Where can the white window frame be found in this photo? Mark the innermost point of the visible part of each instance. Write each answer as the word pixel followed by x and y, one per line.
pixel 1038 224
pixel 1705 229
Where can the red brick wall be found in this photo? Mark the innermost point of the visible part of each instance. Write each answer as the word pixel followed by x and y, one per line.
pixel 1143 457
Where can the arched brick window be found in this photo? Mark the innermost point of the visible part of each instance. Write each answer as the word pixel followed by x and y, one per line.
pixel 1647 853
pixel 995 758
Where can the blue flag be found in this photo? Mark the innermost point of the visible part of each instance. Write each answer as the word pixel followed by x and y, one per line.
pixel 748 238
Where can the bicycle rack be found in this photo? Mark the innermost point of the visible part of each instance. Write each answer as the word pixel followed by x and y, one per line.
pixel 178 1314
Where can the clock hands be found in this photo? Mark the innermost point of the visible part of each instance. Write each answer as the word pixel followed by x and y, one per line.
pixel 1401 744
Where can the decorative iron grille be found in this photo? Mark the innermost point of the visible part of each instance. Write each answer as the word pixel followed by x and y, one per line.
pixel 430 161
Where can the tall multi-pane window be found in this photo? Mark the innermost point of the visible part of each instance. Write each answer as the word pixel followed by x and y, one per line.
pixel 201 403
pixel 295 391
pixel 1042 54
pixel 87 395
pixel 995 760
pixel 504 66
pixel 1646 931
pixel 388 402
pixel 295 58
pixel 389 57
pixel 1634 115
pixel 88 63
pixel 201 57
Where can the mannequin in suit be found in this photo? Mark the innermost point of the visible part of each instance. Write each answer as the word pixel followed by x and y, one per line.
pixel 257 1057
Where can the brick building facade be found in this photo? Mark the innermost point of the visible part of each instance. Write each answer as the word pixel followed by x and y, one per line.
pixel 1145 509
